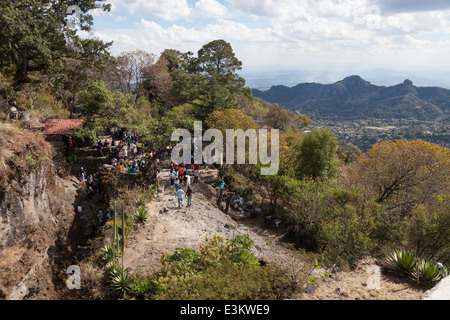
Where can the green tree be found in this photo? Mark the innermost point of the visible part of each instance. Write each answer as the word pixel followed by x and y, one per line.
pixel 177 60
pixel 95 97
pixel 316 155
pixel 35 37
pixel 217 60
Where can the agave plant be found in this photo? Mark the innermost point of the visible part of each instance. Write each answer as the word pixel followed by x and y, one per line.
pixel 428 272
pixel 142 214
pixel 107 254
pixel 403 262
pixel 142 200
pixel 114 269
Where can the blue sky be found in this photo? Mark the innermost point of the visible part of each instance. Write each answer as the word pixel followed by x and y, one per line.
pixel 292 41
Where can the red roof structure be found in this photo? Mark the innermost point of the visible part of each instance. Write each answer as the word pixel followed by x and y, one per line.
pixel 62 126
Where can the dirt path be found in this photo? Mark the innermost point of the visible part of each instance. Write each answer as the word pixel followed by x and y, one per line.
pixel 170 227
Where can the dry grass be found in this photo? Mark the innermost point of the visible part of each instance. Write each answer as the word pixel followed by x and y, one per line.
pixel 6 153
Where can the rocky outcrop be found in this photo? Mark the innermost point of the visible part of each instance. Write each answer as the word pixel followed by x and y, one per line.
pixel 440 292
pixel 36 214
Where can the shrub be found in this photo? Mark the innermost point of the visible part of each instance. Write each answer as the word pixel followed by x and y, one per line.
pixel 221 269
pixel 346 242
pixel 227 281
pixel 142 289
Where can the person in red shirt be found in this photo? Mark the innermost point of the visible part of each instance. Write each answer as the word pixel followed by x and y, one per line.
pixel 181 173
pixel 175 167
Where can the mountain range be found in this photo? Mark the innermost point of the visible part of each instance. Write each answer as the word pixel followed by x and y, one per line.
pixel 355 98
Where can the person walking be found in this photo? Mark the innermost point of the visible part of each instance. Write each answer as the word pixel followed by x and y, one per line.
pixel 82 174
pixel 188 179
pixel 196 175
pixel 100 149
pixel 181 173
pixel 180 194
pixel 177 184
pixel 189 196
pixel 173 175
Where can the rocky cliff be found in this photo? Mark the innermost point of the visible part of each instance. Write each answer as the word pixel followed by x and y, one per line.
pixel 36 216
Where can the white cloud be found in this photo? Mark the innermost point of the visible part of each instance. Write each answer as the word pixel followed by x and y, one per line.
pixel 120 19
pixel 164 9
pixel 210 9
pixel 290 32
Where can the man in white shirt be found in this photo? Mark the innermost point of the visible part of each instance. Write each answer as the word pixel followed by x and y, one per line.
pixel 180 194
pixel 188 180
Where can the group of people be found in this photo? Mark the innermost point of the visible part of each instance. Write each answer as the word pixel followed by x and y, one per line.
pixel 101 217
pixel 129 167
pixel 180 175
pixel 126 148
pixel 92 183
pixel 181 194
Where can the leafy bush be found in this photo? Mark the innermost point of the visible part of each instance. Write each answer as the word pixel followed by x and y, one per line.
pixel 72 157
pixel 142 289
pixel 221 269
pixel 227 281
pixel 346 242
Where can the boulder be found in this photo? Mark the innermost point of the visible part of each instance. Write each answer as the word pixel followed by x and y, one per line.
pixel 440 292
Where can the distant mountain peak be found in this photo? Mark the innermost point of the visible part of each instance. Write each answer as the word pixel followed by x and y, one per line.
pixel 355 98
pixel 408 82
pixel 354 80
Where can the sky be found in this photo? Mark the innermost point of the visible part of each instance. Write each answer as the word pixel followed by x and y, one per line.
pixel 293 41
